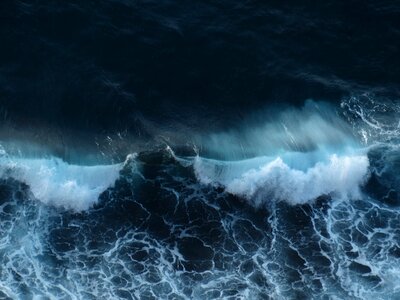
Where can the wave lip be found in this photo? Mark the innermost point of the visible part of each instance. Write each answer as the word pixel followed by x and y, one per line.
pixel 275 180
pixel 58 183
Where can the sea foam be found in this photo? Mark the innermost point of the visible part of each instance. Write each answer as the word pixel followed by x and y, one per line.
pixel 297 155
pixel 275 180
pixel 55 182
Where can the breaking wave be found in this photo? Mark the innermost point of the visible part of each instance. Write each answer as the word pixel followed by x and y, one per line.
pixel 306 153
pixel 340 176
pixel 56 182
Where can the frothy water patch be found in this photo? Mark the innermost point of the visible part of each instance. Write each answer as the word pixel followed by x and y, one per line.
pixel 298 154
pixel 55 182
pixel 275 180
pixel 160 234
pixel 374 119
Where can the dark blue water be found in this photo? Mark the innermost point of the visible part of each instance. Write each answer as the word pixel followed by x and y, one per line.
pixel 208 150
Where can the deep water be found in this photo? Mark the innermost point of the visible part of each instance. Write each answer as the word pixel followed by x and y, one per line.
pixel 199 150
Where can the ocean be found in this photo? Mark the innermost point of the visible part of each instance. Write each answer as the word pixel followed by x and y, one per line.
pixel 199 149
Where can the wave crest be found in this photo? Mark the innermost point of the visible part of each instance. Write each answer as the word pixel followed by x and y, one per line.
pixel 275 180
pixel 55 182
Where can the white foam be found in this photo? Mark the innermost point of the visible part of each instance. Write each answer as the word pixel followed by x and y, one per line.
pixel 298 155
pixel 275 180
pixel 58 183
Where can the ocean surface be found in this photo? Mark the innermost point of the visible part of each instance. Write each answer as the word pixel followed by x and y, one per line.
pixel 199 149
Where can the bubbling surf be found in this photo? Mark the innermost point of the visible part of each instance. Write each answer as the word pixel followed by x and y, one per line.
pixel 56 182
pixel 311 152
pixel 340 177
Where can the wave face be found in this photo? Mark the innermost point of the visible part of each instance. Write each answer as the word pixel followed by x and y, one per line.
pixel 208 150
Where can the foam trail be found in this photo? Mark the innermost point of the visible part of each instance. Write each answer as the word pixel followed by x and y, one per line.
pixel 58 183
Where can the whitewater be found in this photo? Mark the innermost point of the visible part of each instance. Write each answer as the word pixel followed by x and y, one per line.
pixel 310 211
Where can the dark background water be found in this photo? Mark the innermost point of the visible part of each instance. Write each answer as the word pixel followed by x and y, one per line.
pixel 115 65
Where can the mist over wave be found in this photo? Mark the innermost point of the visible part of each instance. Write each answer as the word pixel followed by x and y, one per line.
pixel 302 153
pixel 314 127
